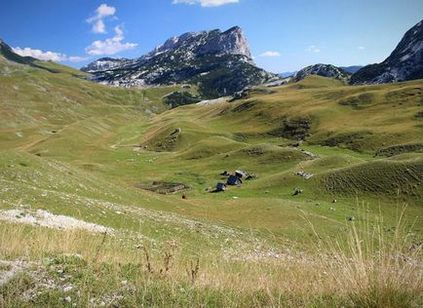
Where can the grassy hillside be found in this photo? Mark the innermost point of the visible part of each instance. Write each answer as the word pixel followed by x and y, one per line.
pixel 85 153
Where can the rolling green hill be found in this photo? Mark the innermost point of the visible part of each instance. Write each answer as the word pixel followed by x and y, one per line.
pixel 85 151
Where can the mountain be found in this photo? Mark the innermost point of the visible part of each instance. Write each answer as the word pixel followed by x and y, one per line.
pixel 324 70
pixel 7 52
pixel 11 58
pixel 103 64
pixel 404 63
pixel 351 69
pixel 220 63
pixel 287 74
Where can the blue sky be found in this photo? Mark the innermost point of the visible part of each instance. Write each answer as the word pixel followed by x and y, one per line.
pixel 284 35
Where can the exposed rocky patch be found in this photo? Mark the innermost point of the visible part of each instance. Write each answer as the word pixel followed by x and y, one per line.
pixel 219 62
pixel 9 269
pixel 324 70
pixel 46 219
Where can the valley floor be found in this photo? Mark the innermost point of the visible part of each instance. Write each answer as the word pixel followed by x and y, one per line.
pixel 82 225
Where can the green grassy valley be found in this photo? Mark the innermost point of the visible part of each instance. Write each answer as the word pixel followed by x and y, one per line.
pixel 320 224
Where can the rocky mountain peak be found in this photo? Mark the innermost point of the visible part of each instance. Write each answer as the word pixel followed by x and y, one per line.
pixel 229 42
pixel 232 41
pixel 324 70
pixel 3 45
pixel 104 64
pixel 404 63
pixel 219 63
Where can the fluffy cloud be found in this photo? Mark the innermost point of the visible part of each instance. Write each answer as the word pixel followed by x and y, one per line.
pixel 47 55
pixel 205 3
pixel 97 21
pixel 111 45
pixel 361 47
pixel 313 48
pixel 39 54
pixel 270 54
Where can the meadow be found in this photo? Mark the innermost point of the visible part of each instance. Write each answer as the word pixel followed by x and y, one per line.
pixel 79 150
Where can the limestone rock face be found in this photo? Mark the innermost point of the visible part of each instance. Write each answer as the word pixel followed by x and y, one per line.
pixel 404 63
pixel 220 63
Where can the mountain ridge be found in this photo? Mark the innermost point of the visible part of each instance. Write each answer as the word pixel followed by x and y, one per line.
pixel 220 63
pixel 324 70
pixel 404 63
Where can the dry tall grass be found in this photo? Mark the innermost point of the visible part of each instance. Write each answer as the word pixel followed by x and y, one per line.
pixel 371 267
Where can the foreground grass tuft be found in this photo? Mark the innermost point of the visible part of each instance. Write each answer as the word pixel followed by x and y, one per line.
pixel 368 268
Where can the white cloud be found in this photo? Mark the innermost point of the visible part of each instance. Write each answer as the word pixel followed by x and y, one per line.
pixel 39 54
pixel 97 21
pixel 99 26
pixel 111 45
pixel 270 54
pixel 361 47
pixel 313 48
pixel 205 3
pixel 104 10
pixel 47 55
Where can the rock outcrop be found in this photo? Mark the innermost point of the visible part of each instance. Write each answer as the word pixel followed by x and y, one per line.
pixel 324 70
pixel 404 63
pixel 220 63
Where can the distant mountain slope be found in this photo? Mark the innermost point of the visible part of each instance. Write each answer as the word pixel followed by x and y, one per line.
pixel 219 62
pixel 7 53
pixel 352 69
pixel 287 74
pixel 404 63
pixel 324 70
pixel 104 64
pixel 9 56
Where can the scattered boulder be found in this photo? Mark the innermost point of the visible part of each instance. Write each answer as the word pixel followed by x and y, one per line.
pixel 177 131
pixel 251 176
pixel 297 191
pixel 244 93
pixel 304 174
pixel 309 154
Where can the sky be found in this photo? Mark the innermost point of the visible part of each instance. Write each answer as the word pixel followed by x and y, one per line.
pixel 284 35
